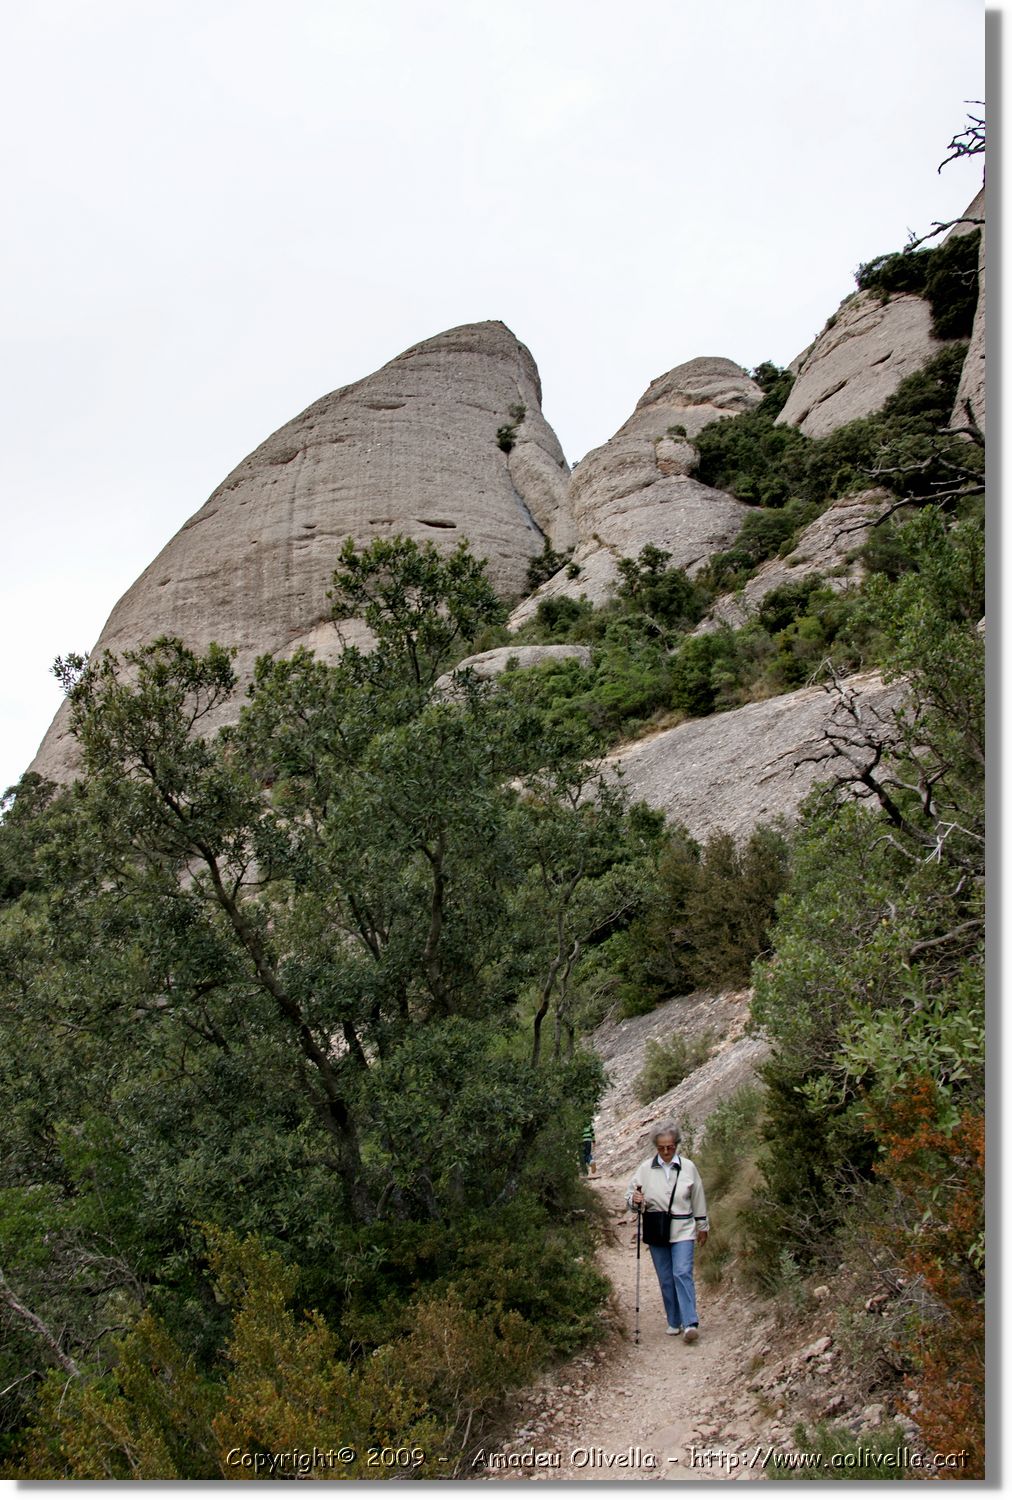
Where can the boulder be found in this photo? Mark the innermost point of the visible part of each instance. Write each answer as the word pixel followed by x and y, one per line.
pixel 733 770
pixel 865 350
pixel 491 663
pixel 411 449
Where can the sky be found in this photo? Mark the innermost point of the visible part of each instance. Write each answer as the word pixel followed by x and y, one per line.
pixel 216 212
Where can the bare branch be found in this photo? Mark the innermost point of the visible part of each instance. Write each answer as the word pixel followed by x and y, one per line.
pixel 946 937
pixel 34 1322
pixel 938 228
pixel 970 141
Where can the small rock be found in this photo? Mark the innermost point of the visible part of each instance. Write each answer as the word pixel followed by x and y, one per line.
pixel 819 1347
pixel 820 1293
pixel 873 1414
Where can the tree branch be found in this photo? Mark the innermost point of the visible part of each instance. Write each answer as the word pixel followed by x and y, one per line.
pixel 35 1323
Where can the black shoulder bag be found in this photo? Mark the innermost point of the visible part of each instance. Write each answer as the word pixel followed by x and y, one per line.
pixel 657 1221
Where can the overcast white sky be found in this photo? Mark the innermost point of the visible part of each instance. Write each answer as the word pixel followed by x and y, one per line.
pixel 218 211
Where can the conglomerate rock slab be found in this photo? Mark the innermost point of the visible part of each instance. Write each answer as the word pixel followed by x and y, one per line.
pixel 858 360
pixel 409 450
pixel 623 1125
pixel 731 771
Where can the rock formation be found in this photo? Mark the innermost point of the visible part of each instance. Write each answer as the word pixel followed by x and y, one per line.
pixel 827 547
pixel 447 443
pixel 869 346
pixel 411 449
pixel 971 384
pixel 733 770
pixel 858 360
pixel 637 488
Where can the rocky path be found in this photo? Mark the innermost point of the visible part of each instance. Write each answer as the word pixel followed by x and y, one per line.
pixel 657 1410
pixel 725 1407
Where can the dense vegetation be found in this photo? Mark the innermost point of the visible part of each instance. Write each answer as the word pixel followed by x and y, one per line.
pixel 288 1020
pixel 874 1001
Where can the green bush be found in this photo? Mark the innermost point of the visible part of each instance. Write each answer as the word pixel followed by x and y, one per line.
pixel 545 565
pixel 731 1132
pixel 726 1162
pixel 845 1455
pixel 946 276
pixel 561 618
pixel 667 596
pixel 706 917
pixel 667 1063
pixel 764 534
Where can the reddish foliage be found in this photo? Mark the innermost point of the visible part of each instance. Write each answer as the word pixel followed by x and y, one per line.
pixel 940 1174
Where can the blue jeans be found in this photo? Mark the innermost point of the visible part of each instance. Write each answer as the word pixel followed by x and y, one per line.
pixel 673 1264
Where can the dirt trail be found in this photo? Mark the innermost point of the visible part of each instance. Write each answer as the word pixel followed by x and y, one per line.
pixel 657 1410
pixel 725 1407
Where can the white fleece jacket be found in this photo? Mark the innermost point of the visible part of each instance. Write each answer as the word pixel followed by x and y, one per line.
pixel 689 1206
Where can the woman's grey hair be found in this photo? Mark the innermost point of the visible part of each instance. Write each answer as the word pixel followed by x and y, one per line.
pixel 666 1127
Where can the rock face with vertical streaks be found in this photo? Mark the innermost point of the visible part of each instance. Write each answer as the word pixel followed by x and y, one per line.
pixel 412 450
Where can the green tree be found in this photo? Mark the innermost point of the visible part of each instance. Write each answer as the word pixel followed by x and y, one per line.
pixel 243 967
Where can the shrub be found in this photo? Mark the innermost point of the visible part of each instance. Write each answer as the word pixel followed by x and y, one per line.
pixel 457 1364
pixel 560 619
pixel 726 1162
pixel 536 1264
pixel 667 1063
pixel 506 435
pixel 545 565
pixel 845 1455
pixel 946 276
pixel 706 917
pixel 666 595
pixel 764 534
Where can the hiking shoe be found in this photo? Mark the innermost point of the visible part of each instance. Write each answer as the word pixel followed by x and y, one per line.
pixel 692 1333
pixel 674 1330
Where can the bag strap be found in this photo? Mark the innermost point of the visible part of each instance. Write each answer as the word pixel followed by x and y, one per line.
pixel 673 1191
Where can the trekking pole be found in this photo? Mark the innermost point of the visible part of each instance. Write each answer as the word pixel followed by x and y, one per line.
pixel 639 1226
